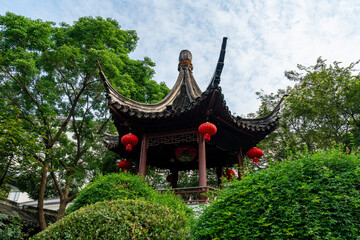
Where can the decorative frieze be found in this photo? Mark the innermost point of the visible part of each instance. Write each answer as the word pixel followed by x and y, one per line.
pixel 173 138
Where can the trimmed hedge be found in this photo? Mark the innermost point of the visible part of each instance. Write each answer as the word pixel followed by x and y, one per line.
pixel 120 219
pixel 308 197
pixel 124 186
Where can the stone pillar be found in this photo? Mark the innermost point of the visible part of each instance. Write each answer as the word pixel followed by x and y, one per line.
pixel 202 162
pixel 143 155
pixel 240 162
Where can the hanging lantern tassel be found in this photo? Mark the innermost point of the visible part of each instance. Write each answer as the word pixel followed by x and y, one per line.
pixel 130 141
pixel 207 130
pixel 128 148
pixel 255 154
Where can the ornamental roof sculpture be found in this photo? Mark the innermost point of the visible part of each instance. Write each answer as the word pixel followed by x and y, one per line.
pixel 187 101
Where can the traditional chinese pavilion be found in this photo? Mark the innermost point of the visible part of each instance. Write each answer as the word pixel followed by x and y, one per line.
pixel 168 130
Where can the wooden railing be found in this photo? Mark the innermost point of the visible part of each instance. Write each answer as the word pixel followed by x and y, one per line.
pixel 195 195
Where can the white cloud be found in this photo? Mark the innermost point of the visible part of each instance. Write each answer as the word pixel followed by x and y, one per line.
pixel 265 37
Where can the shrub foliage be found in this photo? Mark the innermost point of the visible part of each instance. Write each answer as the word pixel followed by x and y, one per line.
pixel 120 219
pixel 123 186
pixel 307 197
pixel 11 227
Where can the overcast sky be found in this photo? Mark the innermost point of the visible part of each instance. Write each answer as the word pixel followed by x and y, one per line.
pixel 265 38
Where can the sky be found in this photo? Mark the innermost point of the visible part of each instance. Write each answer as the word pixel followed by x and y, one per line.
pixel 265 38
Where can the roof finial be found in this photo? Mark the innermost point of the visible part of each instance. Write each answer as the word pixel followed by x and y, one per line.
pixel 185 58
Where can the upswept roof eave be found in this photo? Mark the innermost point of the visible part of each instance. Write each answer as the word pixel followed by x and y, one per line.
pixel 115 97
pixel 266 123
pixel 166 113
pixel 215 80
pixel 273 114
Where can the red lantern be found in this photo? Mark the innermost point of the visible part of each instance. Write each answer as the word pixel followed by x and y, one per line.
pixel 255 154
pixel 229 174
pixel 186 153
pixel 124 165
pixel 129 140
pixel 207 130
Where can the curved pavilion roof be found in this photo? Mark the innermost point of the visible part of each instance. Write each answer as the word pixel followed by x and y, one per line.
pixel 187 101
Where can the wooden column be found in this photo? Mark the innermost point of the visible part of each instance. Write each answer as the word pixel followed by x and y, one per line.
pixel 202 162
pixel 240 162
pixel 175 174
pixel 143 155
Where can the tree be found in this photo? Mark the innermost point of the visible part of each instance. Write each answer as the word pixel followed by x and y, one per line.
pixel 15 145
pixel 49 73
pixel 309 196
pixel 321 110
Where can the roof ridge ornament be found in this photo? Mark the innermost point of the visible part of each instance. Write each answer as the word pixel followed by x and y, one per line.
pixel 185 58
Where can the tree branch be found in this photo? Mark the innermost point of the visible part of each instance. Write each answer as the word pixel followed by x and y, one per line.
pixel 2 179
pixel 69 199
pixel 59 71
pixel 58 187
pixel 72 110
pixel 79 155
pixel 23 86
pixel 63 164
pixel 22 112
pixel 103 125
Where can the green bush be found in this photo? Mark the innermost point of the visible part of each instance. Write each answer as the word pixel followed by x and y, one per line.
pixel 11 227
pixel 307 197
pixel 124 186
pixel 120 219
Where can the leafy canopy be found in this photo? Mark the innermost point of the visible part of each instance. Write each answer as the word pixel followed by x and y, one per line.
pixel 15 144
pixel 321 110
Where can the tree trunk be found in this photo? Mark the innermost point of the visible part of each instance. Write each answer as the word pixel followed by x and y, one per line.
pixel 62 208
pixel 41 215
pixel 64 195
